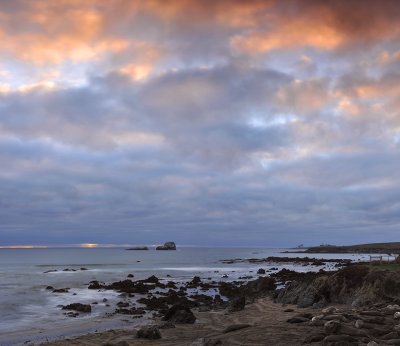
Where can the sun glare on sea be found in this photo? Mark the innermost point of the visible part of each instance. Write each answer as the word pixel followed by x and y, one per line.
pixel 90 245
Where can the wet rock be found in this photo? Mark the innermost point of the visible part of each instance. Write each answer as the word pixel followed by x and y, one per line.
pixel 78 307
pixel 235 327
pixel 131 311
pixel 130 276
pixel 50 271
pixel 180 313
pixel 83 268
pixel 61 290
pixel 49 288
pixel 122 304
pixel 149 332
pixel 95 285
pixel 261 271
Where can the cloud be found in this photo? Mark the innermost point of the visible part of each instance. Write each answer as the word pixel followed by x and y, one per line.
pixel 199 121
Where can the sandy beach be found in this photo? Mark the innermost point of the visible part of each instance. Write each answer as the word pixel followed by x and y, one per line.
pixel 267 322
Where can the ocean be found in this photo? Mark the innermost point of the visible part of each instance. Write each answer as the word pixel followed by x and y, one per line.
pixel 28 311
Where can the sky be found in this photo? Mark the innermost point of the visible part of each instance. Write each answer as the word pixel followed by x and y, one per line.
pixel 237 123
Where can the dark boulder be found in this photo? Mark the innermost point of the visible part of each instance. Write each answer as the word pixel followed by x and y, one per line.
pixel 95 285
pixel 261 271
pixel 180 313
pixel 78 307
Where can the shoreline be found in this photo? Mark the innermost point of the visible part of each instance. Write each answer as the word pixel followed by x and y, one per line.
pixel 146 301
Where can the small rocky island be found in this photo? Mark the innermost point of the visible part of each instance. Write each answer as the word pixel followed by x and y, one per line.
pixel 138 248
pixel 169 245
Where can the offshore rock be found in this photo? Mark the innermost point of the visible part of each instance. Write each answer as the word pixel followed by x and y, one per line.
pixel 169 245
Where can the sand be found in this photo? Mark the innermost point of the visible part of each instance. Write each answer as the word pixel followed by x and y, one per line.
pixel 267 320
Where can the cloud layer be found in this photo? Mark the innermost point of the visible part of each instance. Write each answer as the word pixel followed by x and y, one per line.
pixel 233 123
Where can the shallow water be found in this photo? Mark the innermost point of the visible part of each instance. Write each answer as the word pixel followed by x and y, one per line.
pixel 28 308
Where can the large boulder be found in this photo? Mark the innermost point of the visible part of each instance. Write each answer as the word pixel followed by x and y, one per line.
pixel 169 245
pixel 180 313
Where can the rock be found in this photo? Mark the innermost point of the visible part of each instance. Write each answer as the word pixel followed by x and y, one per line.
pixel 83 268
pixel 95 285
pixel 149 332
pixel 49 288
pixel 288 310
pixel 60 290
pixel 170 245
pixel 396 315
pixel 50 271
pixel 235 327
pixel 237 304
pixel 130 276
pixel 195 281
pixel 261 271
pixel 393 342
pixel 180 313
pixel 138 248
pixel 78 307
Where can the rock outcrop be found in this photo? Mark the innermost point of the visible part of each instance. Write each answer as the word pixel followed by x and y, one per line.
pixel 355 285
pixel 169 245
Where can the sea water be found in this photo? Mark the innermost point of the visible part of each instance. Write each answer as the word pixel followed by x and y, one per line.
pixel 30 312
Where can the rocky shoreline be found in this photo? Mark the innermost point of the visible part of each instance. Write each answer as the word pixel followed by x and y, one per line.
pixel 369 301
